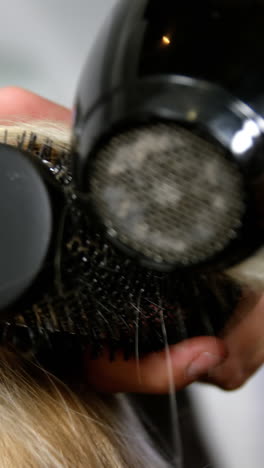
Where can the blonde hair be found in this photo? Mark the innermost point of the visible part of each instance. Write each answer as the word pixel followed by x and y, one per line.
pixel 45 423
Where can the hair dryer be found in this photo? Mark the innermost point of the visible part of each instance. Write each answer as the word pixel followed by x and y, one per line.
pixel 168 132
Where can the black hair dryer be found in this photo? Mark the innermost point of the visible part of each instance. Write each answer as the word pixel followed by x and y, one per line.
pixel 168 132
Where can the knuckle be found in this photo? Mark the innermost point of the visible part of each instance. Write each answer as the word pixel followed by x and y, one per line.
pixel 233 383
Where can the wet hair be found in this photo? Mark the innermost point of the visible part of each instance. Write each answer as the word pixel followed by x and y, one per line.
pixel 47 423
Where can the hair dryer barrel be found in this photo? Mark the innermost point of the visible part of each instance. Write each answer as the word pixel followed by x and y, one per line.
pixel 169 147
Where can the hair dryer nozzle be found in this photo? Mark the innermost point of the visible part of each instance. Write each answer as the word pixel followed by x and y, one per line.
pixel 168 148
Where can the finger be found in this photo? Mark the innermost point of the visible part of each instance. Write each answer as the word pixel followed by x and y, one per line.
pixel 245 344
pixel 20 104
pixel 187 361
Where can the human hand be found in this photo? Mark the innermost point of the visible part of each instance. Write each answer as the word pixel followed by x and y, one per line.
pixel 244 341
pixel 241 349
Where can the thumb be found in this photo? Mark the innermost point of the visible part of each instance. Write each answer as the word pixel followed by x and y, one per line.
pixel 184 363
pixel 245 345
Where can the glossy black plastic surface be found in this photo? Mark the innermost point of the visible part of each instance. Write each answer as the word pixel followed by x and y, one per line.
pixel 220 41
pixel 26 224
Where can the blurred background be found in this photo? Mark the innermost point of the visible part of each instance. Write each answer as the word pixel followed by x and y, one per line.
pixel 43 46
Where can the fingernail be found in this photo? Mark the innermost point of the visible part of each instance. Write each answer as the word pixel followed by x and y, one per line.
pixel 204 363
